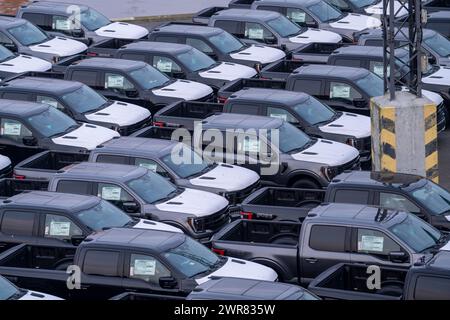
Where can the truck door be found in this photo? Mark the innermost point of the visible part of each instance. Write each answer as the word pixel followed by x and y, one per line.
pixel 343 96
pixel 117 86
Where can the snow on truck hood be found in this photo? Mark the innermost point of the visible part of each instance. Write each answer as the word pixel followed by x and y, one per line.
pixel 4 162
pixel 242 269
pixel 23 63
pixel 35 295
pixel 87 136
pixel 440 77
pixel 184 89
pixel 262 54
pixel 154 225
pixel 327 152
pixel 316 35
pixel 121 113
pixel 228 71
pixel 122 30
pixel 62 47
pixel 196 202
pixel 378 9
pixel 357 22
pixel 227 177
pixel 349 124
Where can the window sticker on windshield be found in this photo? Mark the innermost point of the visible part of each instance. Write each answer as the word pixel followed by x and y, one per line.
pixel 59 228
pixel 149 166
pixel 11 128
pixel 255 33
pixel 279 116
pixel 378 69
pixel 371 243
pixel 61 24
pixel 111 193
pixel 298 16
pixel 164 65
pixel 143 268
pixel 340 91
pixel 115 82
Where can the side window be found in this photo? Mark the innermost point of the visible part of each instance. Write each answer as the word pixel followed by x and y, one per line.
pixel 134 56
pixel 199 45
pixel 147 268
pixel 103 263
pixel 15 96
pixel 77 187
pixel 328 238
pixel 60 227
pixel 18 223
pixel 377 67
pixel 113 159
pixel 245 109
pixel 62 24
pixel 312 87
pixel 256 31
pixel 432 288
pixel 348 62
pixel 339 90
pixel 352 196
pixel 161 38
pixel 50 101
pixel 165 64
pixel 41 20
pixel 397 202
pixel 151 165
pixel 227 25
pixel 89 78
pixel 271 8
pixel 373 43
pixel 117 82
pixel 14 130
pixel 376 242
pixel 280 113
pixel 299 16
pixel 4 39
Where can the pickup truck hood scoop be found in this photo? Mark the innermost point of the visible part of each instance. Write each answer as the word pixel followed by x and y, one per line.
pixel 316 35
pixel 440 77
pixel 354 125
pixel 261 54
pixel 356 22
pixel 122 30
pixel 228 72
pixel 86 136
pixel 187 90
pixel 193 202
pixel 378 9
pixel 328 153
pixel 226 177
pixel 62 47
pixel 155 225
pixel 242 269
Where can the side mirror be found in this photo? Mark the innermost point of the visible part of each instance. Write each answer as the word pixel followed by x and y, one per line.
pixel 132 93
pixel 398 256
pixel 77 33
pixel 130 207
pixel 178 75
pixel 212 55
pixel 29 141
pixel 168 282
pixel 311 24
pixel 271 40
pixel 10 46
pixel 76 240
pixel 360 103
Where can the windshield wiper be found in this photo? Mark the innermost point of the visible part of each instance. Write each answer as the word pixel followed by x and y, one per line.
pixel 169 196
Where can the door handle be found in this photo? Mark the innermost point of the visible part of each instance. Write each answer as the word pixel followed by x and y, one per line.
pixel 311 260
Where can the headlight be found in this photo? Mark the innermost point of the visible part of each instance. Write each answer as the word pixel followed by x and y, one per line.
pixel 55 59
pixel 329 172
pixel 352 142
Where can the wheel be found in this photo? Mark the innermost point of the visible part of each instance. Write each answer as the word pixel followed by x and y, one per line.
pixel 285 239
pixel 305 183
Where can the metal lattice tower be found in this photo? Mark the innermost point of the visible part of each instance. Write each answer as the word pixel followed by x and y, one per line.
pixel 411 29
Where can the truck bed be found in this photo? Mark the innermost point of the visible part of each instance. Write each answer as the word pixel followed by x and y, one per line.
pixel 234 86
pixel 10 187
pixel 203 15
pixel 62 65
pixel 155 132
pixel 241 4
pixel 315 52
pixel 107 48
pixel 281 70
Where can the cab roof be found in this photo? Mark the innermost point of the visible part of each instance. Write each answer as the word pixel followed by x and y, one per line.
pixel 240 121
pixel 56 86
pixel 137 146
pixel 163 47
pixel 378 33
pixel 439 15
pixel 110 63
pixel 295 3
pixel 8 21
pixel 322 70
pixel 366 51
pixel 187 29
pixel 269 96
pixel 51 7
pixel 247 14
pixel 19 109
pixel 396 180
pixel 99 171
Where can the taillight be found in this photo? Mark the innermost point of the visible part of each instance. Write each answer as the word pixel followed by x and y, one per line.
pixel 220 252
pixel 92 54
pixel 246 215
pixel 159 124
pixel 222 99
pixel 18 177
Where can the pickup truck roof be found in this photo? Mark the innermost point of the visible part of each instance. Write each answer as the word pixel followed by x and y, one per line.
pixel 21 108
pixel 241 121
pixel 188 29
pixel 52 200
pixel 51 7
pixel 94 170
pixel 158 241
pixel 305 3
pixel 437 15
pixel 248 14
pixel 162 47
pixel 57 86
pixel 269 96
pixel 385 179
pixel 332 71
pixel 378 33
pixel 140 147
pixel 359 50
pixel 8 22
pixel 110 63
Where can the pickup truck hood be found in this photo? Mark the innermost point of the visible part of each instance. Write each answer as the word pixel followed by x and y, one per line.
pixel 357 22
pixel 349 124
pixel 60 46
pixel 226 177
pixel 440 77
pixel 262 54
pixel 24 63
pixel 87 136
pixel 378 9
pixel 154 225
pixel 236 268
pixel 122 30
pixel 433 96
pixel 35 295
pixel 327 152
pixel 184 89
pixel 316 35
pixel 120 113
pixel 4 162
pixel 195 202
pixel 228 71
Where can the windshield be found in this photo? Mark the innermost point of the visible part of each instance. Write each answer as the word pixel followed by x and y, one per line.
pixel 184 161
pixel 51 122
pixel 371 84
pixel 103 216
pixel 196 60
pixel 7 290
pixel 192 258
pixel 434 197
pixel 226 43
pixel 325 12
pixel 28 34
pixel 84 100
pixel 5 53
pixel 93 20
pixel 416 233
pixel 284 27
pixel 439 44
pixel 313 111
pixel 149 77
pixel 291 138
pixel 363 3
pixel 152 187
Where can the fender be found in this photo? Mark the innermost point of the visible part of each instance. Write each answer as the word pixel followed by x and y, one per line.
pixel 306 174
pixel 279 269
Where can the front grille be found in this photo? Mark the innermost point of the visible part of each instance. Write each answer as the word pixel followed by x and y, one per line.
pixel 364 144
pixel 244 193
pixel 212 222
pixel 125 131
pixel 351 165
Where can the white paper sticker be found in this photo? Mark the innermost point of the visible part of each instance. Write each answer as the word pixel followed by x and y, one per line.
pixel 115 82
pixel 63 24
pixel 379 70
pixel 144 268
pixel 251 145
pixel 59 228
pixel 50 102
pixel 279 116
pixel 12 128
pixel 164 65
pixel 340 92
pixel 111 193
pixel 371 243
pixel 149 166
pixel 298 16
pixel 255 33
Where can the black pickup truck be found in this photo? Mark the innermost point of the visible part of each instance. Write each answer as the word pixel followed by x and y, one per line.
pixel 424 281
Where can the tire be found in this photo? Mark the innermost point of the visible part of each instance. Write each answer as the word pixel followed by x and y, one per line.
pixel 305 183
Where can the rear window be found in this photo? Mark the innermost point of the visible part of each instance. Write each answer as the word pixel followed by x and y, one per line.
pixel 327 238
pixel 352 196
pixel 113 159
pixel 432 288
pixel 18 223
pixel 104 263
pixel 77 187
